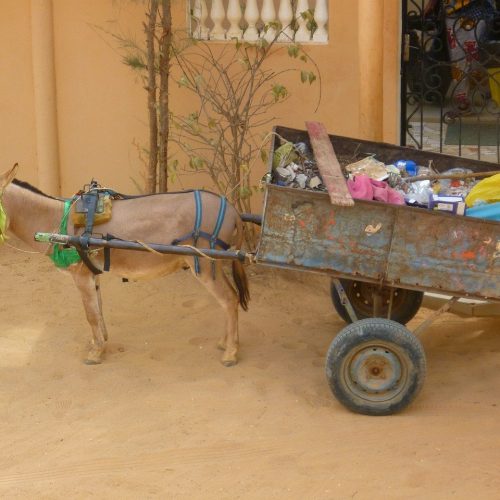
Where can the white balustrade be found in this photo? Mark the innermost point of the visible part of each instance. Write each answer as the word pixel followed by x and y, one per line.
pixel 268 15
pixel 251 17
pixel 200 14
pixel 228 19
pixel 285 16
pixel 234 15
pixel 321 18
pixel 218 15
pixel 302 34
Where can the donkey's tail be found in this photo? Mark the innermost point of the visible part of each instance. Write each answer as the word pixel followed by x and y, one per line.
pixel 241 282
pixel 239 275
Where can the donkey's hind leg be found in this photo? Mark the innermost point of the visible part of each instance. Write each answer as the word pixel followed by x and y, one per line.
pixel 226 296
pixel 88 286
pixel 99 301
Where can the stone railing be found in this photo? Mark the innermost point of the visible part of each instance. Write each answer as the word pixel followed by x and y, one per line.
pixel 301 20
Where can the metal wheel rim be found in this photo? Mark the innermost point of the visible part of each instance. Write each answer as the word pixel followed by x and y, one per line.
pixel 361 296
pixel 376 371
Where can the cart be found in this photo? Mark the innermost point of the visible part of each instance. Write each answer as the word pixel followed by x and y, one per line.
pixel 381 258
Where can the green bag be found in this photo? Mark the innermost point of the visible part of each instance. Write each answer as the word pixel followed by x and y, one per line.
pixel 61 256
pixel 3 223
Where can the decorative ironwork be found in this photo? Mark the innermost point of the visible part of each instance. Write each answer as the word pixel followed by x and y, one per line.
pixel 451 77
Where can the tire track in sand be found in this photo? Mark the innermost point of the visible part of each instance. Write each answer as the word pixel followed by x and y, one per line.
pixel 160 461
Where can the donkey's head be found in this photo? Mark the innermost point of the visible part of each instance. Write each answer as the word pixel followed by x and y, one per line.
pixel 7 177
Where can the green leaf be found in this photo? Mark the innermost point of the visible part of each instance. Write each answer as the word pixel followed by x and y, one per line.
pixel 275 24
pixel 196 163
pixel 262 43
pixel 304 76
pixel 134 61
pixel 183 81
pixel 264 155
pixel 307 15
pixel 198 79
pixel 172 166
pixel 293 50
pixel 311 77
pixel 245 192
pixel 245 62
pixel 279 92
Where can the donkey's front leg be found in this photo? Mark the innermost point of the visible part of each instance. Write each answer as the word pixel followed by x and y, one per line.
pixel 88 285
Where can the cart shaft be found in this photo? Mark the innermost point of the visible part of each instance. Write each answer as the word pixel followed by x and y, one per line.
pixel 77 241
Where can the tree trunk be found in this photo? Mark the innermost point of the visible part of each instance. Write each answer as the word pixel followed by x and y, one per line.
pixel 165 42
pixel 150 29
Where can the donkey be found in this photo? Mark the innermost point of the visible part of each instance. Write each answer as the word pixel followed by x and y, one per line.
pixel 160 218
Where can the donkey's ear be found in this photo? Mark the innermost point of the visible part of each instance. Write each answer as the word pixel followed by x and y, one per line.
pixel 7 177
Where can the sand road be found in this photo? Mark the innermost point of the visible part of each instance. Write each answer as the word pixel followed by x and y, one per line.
pixel 162 418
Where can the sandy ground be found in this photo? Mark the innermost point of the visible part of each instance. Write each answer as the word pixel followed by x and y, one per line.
pixel 162 418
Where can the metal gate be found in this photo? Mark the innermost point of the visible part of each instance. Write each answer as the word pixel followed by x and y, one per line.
pixel 450 77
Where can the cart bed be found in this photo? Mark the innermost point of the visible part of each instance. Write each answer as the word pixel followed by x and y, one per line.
pixel 375 242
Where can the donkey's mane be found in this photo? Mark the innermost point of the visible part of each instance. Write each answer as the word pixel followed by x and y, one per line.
pixel 30 187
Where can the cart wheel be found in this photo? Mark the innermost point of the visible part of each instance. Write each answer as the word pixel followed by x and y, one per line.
pixel 405 303
pixel 375 366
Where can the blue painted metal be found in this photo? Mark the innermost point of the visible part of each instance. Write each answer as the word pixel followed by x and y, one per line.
pixel 379 243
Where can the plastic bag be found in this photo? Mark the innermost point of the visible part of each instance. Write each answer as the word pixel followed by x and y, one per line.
pixel 368 166
pixel 485 191
pixel 456 187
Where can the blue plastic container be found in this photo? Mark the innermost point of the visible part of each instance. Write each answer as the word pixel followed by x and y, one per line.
pixel 409 166
pixel 490 211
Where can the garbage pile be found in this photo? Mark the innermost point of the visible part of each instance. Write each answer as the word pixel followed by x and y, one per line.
pixel 456 191
pixel 294 166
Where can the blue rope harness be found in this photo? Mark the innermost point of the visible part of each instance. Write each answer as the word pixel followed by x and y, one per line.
pixel 197 224
pixel 196 234
pixel 218 225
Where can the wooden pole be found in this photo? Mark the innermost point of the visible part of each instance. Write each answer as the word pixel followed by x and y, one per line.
pixel 371 61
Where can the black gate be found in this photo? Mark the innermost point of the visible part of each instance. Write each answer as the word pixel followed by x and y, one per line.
pixel 450 77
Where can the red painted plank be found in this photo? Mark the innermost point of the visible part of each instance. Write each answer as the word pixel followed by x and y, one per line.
pixel 329 166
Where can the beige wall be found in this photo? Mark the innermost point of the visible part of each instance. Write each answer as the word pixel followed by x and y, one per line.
pixel 17 119
pixel 101 105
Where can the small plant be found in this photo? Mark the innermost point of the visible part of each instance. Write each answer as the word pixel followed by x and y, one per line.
pixel 235 87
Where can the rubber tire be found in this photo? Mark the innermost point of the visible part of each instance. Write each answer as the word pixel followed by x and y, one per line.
pixel 365 335
pixel 403 310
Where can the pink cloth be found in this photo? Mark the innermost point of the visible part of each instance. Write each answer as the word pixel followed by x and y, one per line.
pixel 363 187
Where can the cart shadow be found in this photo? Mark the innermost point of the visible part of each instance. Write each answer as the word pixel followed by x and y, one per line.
pixel 463 357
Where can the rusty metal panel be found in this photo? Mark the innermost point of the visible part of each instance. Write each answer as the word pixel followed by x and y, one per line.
pixel 393 245
pixel 458 255
pixel 302 229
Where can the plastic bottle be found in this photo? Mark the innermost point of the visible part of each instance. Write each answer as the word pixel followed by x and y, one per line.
pixel 408 166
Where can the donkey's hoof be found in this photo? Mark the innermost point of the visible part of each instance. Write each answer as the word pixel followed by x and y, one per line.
pixel 94 357
pixel 89 361
pixel 229 362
